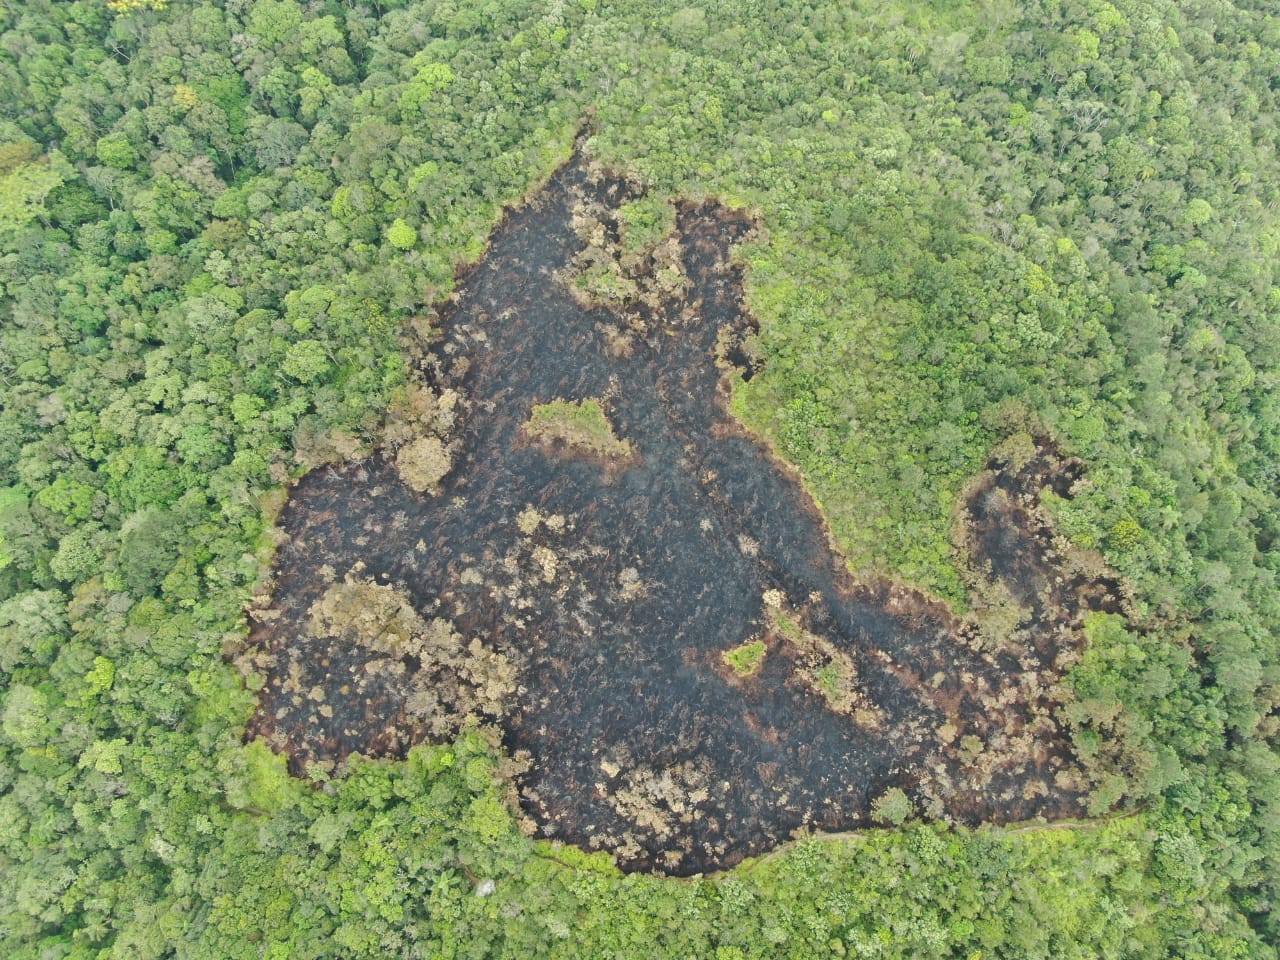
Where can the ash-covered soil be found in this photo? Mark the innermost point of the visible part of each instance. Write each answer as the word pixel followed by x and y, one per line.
pixel 583 601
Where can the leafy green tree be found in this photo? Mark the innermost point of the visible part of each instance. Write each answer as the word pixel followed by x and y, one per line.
pixel 401 235
pixel 892 807
pixel 306 361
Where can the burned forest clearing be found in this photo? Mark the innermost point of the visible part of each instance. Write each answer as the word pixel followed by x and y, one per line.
pixel 607 535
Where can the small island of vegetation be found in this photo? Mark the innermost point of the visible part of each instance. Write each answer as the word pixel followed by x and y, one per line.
pixel 578 426
pixel 746 659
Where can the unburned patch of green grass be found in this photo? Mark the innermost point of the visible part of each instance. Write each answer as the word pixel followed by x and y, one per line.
pixel 745 659
pixel 580 424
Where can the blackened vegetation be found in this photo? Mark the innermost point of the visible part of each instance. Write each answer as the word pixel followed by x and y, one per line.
pixel 611 595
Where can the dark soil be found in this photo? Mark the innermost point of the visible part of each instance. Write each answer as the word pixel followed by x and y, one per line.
pixel 636 739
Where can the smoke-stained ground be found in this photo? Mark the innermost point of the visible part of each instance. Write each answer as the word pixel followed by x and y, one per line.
pixel 583 597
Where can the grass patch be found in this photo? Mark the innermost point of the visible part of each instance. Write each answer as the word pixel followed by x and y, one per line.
pixel 582 425
pixel 745 659
pixel 829 683
pixel 787 627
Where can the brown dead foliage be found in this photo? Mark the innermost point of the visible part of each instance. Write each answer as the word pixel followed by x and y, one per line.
pixel 452 678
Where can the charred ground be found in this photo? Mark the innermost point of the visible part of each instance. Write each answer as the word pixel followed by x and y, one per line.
pixel 585 602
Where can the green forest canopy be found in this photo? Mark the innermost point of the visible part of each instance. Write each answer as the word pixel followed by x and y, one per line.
pixel 981 220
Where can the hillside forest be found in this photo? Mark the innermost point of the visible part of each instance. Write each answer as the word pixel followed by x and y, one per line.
pixel 228 232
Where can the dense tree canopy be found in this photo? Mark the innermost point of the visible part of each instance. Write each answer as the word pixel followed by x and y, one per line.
pixel 979 220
